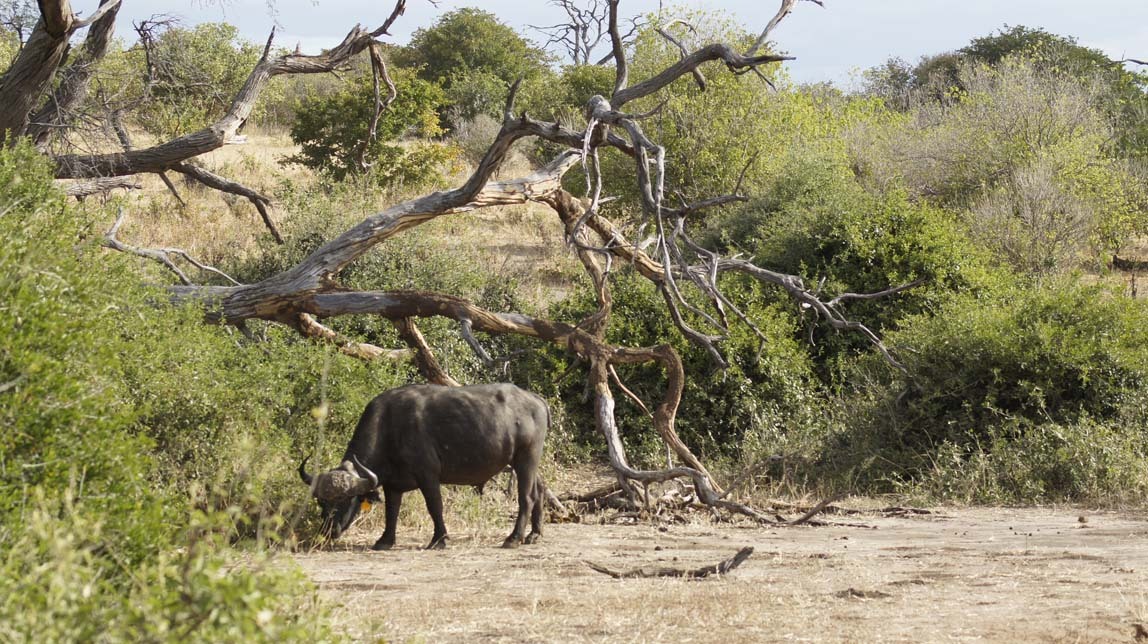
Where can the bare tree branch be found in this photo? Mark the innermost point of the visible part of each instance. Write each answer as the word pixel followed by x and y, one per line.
pixel 212 180
pixel 718 51
pixel 161 255
pixel 88 187
pixel 587 23
pixel 424 357
pixel 29 76
pixel 785 10
pixel 618 47
pixel 378 69
pixel 73 87
pixel 214 136
pixel 310 327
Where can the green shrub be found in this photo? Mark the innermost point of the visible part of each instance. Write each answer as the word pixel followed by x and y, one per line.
pixel 331 130
pixel 817 222
pixel 1027 150
pixel 137 443
pixel 471 39
pixel 63 582
pixel 1021 384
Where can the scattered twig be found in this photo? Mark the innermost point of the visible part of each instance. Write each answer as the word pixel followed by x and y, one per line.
pixel 11 384
pixel 817 509
pixel 593 495
pixel 718 569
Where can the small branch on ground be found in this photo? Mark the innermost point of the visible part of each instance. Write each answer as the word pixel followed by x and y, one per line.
pixel 717 569
pixel 815 510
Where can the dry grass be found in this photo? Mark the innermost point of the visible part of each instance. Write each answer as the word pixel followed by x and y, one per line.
pixel 523 243
pixel 213 226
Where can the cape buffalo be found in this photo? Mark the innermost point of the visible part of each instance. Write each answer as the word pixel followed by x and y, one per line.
pixel 420 436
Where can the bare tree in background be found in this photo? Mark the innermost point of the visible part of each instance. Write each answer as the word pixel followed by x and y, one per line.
pixel 587 25
pixel 19 17
pixel 685 274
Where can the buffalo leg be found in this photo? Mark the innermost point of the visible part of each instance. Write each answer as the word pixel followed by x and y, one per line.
pixel 524 472
pixel 433 497
pixel 393 500
pixel 537 502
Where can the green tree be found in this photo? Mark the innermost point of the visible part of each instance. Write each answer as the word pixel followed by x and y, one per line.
pixel 190 76
pixel 475 57
pixel 471 39
pixel 332 129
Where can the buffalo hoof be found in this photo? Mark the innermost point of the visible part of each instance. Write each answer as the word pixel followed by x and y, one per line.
pixel 532 538
pixel 383 545
pixel 437 544
pixel 511 542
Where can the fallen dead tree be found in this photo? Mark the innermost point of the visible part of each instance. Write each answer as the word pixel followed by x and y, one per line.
pixel 309 292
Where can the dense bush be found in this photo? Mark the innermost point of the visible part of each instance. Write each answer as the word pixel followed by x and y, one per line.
pixel 138 442
pixel 1033 392
pixel 1027 150
pixel 817 222
pixel 194 75
pixel 332 130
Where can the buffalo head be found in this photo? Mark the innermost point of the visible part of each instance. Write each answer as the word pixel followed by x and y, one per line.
pixel 341 493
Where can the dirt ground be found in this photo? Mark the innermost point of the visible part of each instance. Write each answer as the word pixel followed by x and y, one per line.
pixel 954 574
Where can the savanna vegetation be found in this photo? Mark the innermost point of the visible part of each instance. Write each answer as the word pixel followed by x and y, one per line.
pixel 147 458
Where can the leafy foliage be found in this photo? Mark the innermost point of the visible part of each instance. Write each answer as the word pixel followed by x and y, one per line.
pixel 333 129
pixel 1033 388
pixel 114 410
pixel 470 39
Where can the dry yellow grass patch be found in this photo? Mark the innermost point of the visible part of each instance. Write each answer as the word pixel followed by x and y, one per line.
pixel 524 243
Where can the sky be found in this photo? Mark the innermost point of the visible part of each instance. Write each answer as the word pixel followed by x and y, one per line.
pixel 831 43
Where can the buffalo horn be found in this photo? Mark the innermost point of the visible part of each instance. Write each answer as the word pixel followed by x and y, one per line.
pixel 307 478
pixel 370 475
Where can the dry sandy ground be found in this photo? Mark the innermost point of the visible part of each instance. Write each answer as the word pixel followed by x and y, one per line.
pixel 1001 575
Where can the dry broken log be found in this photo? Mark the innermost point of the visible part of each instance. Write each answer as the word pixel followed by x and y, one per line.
pixel 717 569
